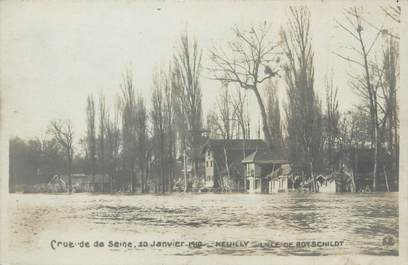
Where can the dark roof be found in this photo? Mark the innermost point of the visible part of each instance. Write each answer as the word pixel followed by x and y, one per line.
pixel 235 144
pixel 234 168
pixel 234 150
pixel 339 176
pixel 75 178
pixel 266 156
pixel 283 170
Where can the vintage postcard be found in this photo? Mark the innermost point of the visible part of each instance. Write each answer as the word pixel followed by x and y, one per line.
pixel 203 132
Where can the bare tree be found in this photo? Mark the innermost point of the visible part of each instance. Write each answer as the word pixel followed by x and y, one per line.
pixel 158 121
pixel 101 136
pixel 113 142
pixel 222 118
pixel 169 110
pixel 186 85
pixel 390 123
pixel 394 14
pixel 163 129
pixel 221 121
pixel 332 118
pixel 241 115
pixel 64 135
pixel 273 113
pixel 128 103
pixel 91 134
pixel 142 141
pixel 251 51
pixel 367 83
pixel 303 112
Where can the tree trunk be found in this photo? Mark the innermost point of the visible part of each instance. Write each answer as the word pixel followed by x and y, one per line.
pixel 111 182
pixel 185 171
pixel 354 169
pixel 265 128
pixel 93 172
pixel 244 155
pixel 162 161
pixel 313 177
pixel 375 158
pixel 386 180
pixel 146 177
pixel 132 180
pixel 226 162
pixel 69 173
pixel 170 160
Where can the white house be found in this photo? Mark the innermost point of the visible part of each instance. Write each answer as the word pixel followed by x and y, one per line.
pixel 280 179
pixel 223 167
pixel 209 169
pixel 326 184
pixel 258 165
pixel 253 177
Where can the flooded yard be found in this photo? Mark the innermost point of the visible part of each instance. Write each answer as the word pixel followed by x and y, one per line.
pixel 217 224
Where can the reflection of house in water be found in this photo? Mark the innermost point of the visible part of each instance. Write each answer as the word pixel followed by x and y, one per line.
pixel 259 165
pixel 80 183
pixel 223 167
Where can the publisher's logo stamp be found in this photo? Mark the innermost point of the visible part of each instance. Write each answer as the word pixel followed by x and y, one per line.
pixel 388 241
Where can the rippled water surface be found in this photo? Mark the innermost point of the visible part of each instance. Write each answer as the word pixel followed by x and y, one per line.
pixel 362 221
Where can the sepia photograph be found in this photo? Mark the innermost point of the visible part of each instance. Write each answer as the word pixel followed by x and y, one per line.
pixel 184 132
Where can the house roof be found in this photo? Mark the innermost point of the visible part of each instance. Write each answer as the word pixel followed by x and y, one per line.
pixel 234 168
pixel 235 144
pixel 266 156
pixel 283 170
pixel 233 152
pixel 83 178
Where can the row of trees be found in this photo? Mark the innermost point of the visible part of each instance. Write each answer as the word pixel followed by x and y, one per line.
pixel 376 82
pixel 318 136
pixel 138 147
pixel 135 146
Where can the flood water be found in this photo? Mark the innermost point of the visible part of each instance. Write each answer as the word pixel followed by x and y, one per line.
pixel 360 221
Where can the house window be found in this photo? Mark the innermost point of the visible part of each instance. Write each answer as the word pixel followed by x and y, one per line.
pixel 207 163
pixel 256 184
pixel 211 163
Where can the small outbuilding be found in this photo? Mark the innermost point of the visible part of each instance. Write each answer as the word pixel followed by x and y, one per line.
pixel 258 165
pixel 80 183
pixel 281 180
pixel 334 182
pixel 326 184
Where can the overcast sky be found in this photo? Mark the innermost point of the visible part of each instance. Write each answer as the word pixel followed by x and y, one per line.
pixel 54 54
